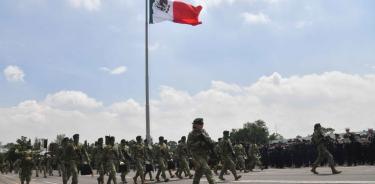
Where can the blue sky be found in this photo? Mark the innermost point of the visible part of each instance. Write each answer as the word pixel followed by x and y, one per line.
pixel 64 45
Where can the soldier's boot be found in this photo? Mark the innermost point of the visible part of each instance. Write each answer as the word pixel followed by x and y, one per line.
pixel 237 177
pixel 135 180
pixel 157 178
pixel 166 180
pixel 151 179
pixel 334 171
pixel 313 170
pixel 221 176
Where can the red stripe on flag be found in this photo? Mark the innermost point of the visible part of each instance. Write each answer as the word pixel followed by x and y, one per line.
pixel 185 13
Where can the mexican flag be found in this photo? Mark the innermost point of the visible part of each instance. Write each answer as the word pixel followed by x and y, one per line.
pixel 176 11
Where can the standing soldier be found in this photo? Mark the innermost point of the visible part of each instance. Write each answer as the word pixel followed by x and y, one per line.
pixel 319 140
pixel 125 159
pixel 110 158
pixel 98 155
pixel 240 156
pixel 200 144
pixel 182 154
pixel 139 156
pixel 161 152
pixel 227 154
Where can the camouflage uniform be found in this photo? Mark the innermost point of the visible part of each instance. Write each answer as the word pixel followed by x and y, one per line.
pixel 182 154
pixel 73 156
pixel 161 152
pixel 254 157
pixel 125 159
pixel 227 154
pixel 199 143
pixel 98 155
pixel 110 159
pixel 26 164
pixel 240 156
pixel 139 156
pixel 319 140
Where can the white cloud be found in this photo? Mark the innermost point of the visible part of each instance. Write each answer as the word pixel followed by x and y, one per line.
pixel 293 104
pixel 90 5
pixel 116 71
pixel 259 18
pixel 71 100
pixel 14 74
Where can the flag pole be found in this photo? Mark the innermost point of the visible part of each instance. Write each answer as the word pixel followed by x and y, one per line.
pixel 148 136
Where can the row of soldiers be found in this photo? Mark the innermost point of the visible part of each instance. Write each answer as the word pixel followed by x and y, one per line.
pixel 71 158
pixel 197 151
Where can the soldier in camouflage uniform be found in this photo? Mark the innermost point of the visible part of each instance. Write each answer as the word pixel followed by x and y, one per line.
pixel 182 154
pixel 73 156
pixel 25 164
pixel 227 155
pixel 319 140
pixel 149 160
pixel 240 156
pixel 125 159
pixel 161 153
pixel 110 159
pixel 139 156
pixel 98 155
pixel 200 144
pixel 254 157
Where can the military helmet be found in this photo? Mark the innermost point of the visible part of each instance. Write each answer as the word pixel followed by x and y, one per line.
pixel 161 138
pixel 198 121
pixel 138 138
pixel 225 132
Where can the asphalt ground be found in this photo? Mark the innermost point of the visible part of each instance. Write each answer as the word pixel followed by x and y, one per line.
pixel 353 175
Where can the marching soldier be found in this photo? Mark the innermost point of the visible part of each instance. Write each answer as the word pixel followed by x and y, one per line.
pixel 182 154
pixel 227 154
pixel 240 156
pixel 98 155
pixel 139 156
pixel 200 144
pixel 110 158
pixel 319 140
pixel 125 159
pixel 161 152
pixel 25 164
pixel 149 157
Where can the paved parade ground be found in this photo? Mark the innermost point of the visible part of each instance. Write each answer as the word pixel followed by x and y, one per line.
pixel 359 174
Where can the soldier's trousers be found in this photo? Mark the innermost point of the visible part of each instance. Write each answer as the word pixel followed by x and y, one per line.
pixel 228 164
pixel 183 166
pixel 70 170
pixel 201 167
pixel 139 169
pixel 241 163
pixel 111 171
pixel 25 175
pixel 162 168
pixel 323 153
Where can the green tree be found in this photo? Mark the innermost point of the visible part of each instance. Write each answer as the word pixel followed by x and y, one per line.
pixel 275 136
pixel 255 132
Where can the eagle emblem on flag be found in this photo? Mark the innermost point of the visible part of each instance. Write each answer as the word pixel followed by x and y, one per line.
pixel 163 5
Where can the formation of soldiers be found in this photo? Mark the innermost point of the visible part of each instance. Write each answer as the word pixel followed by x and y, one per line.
pixel 348 149
pixel 198 151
